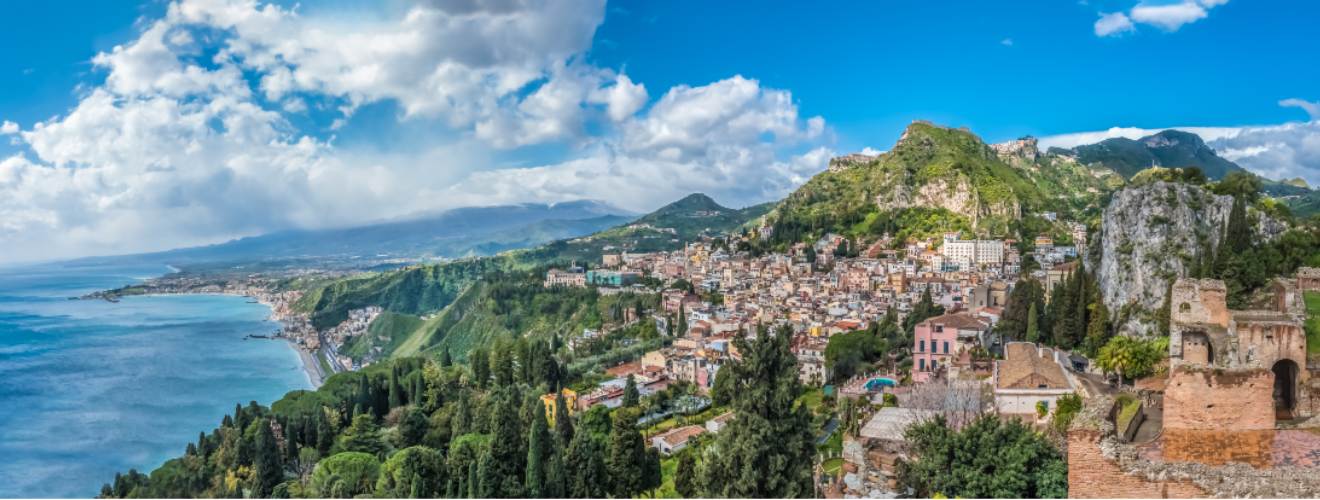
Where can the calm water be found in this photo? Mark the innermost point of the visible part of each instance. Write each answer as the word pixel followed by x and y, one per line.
pixel 89 388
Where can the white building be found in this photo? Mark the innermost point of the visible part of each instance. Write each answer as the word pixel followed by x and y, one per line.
pixel 966 253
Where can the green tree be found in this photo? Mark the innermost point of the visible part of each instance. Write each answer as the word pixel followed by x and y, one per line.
pixel 347 474
pixel 768 449
pixel 685 476
pixel 1131 358
pixel 479 363
pixel 721 392
pixel 627 457
pixel 414 472
pixel 503 476
pixel 563 421
pixel 989 458
pixel 413 427
pixel 630 394
pixel 268 463
pixel 1033 324
pixel 539 447
pixel 364 436
pixel 584 461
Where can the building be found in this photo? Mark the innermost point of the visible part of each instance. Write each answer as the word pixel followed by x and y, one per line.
pixel 717 424
pixel 1212 349
pixel 559 277
pixel 938 341
pixel 968 253
pixel 600 277
pixel 676 439
pixel 1029 375
pixel 550 402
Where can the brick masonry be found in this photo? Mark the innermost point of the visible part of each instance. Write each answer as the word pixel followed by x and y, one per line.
pixel 1091 475
pixel 1207 399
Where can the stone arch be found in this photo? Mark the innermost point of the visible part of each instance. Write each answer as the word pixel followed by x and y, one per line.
pixel 1285 387
pixel 1196 348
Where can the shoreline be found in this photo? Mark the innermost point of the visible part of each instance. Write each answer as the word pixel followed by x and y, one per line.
pixel 311 367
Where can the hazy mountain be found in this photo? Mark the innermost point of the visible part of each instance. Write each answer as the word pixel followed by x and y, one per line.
pixel 1169 148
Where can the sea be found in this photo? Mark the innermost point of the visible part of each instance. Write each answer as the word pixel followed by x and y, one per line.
pixel 89 387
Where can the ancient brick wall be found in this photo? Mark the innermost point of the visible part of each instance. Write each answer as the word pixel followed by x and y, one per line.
pixel 1091 475
pixel 1236 400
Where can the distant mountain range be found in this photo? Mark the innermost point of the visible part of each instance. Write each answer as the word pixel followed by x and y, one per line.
pixel 1169 148
pixel 449 234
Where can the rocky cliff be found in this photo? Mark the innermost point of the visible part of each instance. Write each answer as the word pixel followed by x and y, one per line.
pixel 1152 234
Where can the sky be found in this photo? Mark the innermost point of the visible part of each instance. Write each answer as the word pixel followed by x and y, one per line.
pixel 129 127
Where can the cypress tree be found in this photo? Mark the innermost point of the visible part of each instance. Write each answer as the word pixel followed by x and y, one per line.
pixel 563 422
pixel 538 452
pixel 445 360
pixel 685 480
pixel 395 390
pixel 627 457
pixel 630 395
pixel 267 463
pixel 479 362
pixel 1033 324
pixel 584 463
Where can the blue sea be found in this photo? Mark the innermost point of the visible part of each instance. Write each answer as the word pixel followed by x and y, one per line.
pixel 89 388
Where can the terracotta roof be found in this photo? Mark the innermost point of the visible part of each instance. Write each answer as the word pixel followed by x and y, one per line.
pixel 680 435
pixel 1025 367
pixel 960 321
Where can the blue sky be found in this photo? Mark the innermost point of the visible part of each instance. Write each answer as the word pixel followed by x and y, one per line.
pixel 134 126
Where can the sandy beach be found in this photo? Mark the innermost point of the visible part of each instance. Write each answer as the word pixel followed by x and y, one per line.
pixel 310 365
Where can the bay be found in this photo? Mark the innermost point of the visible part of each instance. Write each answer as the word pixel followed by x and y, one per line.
pixel 89 387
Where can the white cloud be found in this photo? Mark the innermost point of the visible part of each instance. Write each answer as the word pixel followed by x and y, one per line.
pixel 1113 24
pixel 195 136
pixel 1165 15
pixel 1275 151
pixel 1312 109
pixel 726 139
pixel 1007 42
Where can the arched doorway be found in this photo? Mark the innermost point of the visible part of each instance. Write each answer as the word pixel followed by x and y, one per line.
pixel 1285 388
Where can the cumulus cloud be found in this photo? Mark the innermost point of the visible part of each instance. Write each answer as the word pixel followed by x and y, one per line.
pixel 1277 152
pixel 1167 16
pixel 727 137
pixel 1112 24
pixel 191 137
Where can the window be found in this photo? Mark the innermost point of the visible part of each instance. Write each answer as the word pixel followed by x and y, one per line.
pixel 921 365
pixel 946 347
pixel 939 328
pixel 921 346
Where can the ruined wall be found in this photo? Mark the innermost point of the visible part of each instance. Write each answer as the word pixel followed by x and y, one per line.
pixel 1216 399
pixel 1091 475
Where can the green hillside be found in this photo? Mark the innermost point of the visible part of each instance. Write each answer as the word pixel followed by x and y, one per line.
pixel 430 289
pixel 936 179
pixel 1170 148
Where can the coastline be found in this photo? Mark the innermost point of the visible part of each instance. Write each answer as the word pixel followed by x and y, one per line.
pixel 311 367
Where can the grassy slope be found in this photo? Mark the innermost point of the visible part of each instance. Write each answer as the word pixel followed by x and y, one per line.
pixel 843 201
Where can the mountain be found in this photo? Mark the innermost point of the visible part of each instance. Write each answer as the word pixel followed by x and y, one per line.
pixel 937 179
pixel 449 234
pixel 426 289
pixel 1169 148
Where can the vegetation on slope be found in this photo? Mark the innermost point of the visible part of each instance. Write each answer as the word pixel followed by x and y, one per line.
pixel 936 179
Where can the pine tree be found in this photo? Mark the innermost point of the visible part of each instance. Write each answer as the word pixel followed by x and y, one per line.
pixel 768 449
pixel 504 476
pixel 396 390
pixel 538 453
pixel 445 360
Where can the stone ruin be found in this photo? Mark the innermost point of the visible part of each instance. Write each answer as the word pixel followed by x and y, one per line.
pixel 1220 356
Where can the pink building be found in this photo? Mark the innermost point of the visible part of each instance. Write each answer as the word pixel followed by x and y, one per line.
pixel 938 341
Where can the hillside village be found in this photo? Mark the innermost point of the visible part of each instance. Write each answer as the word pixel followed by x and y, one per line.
pixel 1107 336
